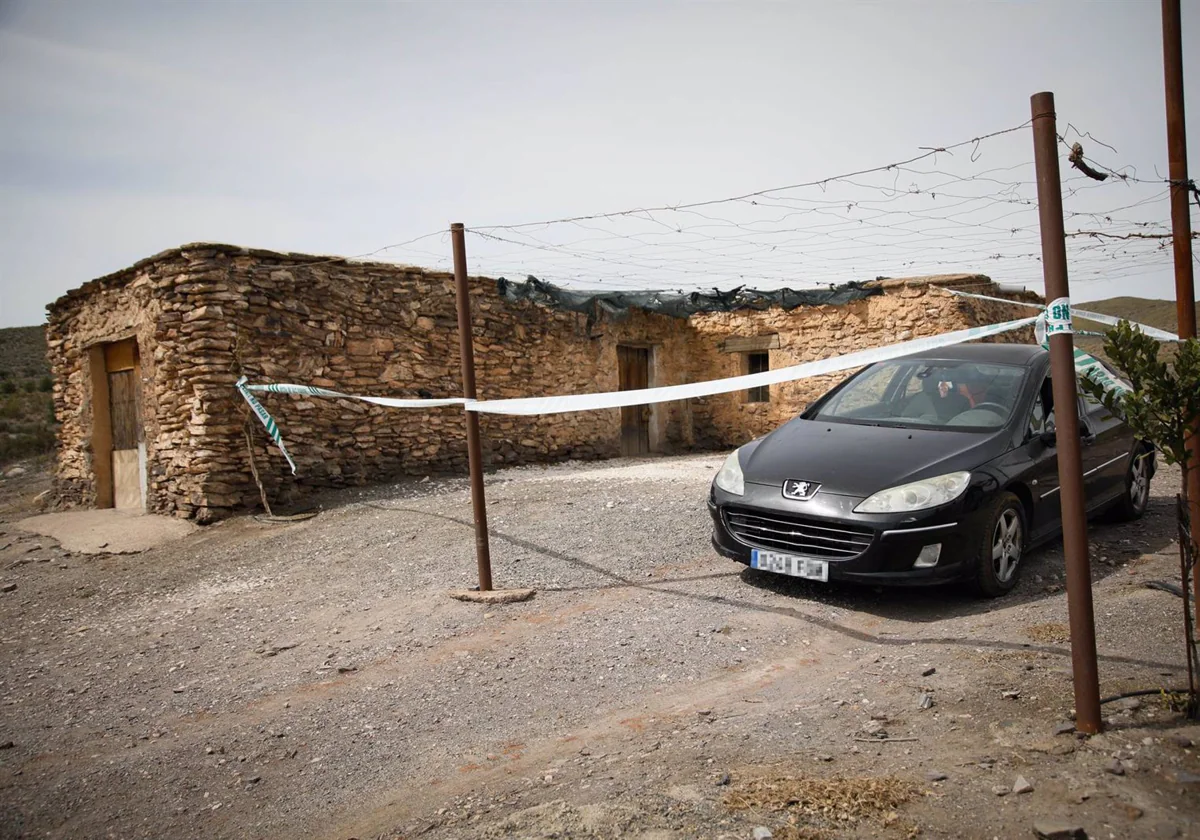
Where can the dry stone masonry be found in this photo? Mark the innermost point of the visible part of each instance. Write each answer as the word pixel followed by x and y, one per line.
pixel 203 315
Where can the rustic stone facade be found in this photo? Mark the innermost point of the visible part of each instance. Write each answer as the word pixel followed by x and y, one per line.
pixel 202 315
pixel 908 308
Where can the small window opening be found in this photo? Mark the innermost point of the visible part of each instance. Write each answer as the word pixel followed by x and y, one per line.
pixel 758 363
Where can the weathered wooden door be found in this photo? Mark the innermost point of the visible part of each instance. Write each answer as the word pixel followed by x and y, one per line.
pixel 124 414
pixel 633 367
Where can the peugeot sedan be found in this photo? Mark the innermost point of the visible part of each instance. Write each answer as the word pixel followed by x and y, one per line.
pixel 931 468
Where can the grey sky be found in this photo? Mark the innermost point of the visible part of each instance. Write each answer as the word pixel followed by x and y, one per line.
pixel 341 128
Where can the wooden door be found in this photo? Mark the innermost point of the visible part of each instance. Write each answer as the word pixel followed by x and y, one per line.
pixel 633 370
pixel 124 416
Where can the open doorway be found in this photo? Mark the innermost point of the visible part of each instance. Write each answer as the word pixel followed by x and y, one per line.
pixel 118 439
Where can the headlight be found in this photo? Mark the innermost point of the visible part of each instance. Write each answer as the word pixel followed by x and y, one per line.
pixel 730 478
pixel 927 493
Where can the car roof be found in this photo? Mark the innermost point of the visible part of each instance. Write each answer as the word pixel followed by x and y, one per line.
pixel 1001 354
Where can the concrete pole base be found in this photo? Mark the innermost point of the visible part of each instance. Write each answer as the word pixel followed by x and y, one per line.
pixel 493 596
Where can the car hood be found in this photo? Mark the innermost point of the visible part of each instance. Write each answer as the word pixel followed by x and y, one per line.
pixel 858 460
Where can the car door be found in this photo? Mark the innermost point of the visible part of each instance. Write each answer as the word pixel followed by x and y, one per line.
pixel 1105 450
pixel 1043 472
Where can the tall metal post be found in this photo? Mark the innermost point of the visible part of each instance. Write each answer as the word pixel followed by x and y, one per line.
pixel 1066 413
pixel 462 296
pixel 1181 223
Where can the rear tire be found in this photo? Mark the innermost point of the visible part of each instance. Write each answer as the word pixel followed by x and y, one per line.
pixel 1132 503
pixel 1000 547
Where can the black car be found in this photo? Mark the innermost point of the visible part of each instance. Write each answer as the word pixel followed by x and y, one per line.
pixel 929 468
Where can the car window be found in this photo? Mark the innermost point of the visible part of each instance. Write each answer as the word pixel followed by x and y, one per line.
pixel 1041 417
pixel 1094 407
pixel 913 387
pixel 928 393
pixel 869 389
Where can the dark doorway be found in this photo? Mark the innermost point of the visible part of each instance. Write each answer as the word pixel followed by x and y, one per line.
pixel 633 366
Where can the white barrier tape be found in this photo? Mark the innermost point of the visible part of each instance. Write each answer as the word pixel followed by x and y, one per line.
pixel 646 396
pixel 267 420
pixel 1085 366
pixel 389 402
pixel 1101 318
pixel 1089 367
pixel 1098 317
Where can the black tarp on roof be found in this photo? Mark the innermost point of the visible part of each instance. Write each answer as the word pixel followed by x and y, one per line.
pixel 678 304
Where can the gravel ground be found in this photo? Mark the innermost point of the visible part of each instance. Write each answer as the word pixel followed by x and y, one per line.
pixel 314 679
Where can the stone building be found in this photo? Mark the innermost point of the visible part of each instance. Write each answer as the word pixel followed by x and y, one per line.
pixel 145 361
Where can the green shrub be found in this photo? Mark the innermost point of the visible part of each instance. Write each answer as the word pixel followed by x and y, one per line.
pixel 45 384
pixel 1163 409
pixel 15 447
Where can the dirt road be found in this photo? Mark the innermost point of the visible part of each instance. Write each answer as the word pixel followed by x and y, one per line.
pixel 314 680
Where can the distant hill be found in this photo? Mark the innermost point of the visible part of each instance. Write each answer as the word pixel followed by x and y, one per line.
pixel 23 353
pixel 26 404
pixel 1156 313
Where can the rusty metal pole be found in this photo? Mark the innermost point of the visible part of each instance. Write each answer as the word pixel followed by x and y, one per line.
pixel 1066 413
pixel 1181 222
pixel 462 296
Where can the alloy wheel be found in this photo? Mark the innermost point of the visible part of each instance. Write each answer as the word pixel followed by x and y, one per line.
pixel 1006 545
pixel 1139 482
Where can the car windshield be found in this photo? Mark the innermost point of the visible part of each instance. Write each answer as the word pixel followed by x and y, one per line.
pixel 927 393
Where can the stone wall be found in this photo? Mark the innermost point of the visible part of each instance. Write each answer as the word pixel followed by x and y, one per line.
pixel 907 309
pixel 387 331
pixel 97 314
pixel 205 314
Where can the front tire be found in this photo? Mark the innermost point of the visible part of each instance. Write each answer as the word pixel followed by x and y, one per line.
pixel 1136 497
pixel 1000 547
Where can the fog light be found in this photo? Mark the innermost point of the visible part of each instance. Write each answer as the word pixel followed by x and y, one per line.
pixel 928 556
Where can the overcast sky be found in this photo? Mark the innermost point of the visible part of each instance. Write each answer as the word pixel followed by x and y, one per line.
pixel 129 128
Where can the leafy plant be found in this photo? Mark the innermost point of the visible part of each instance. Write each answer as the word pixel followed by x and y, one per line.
pixel 1163 409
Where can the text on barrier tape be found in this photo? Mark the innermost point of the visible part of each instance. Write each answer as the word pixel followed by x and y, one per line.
pixel 267 420
pixel 1082 314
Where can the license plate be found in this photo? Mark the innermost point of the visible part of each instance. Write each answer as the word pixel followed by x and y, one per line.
pixel 790 564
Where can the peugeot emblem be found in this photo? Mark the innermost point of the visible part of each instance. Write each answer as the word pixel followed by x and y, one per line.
pixel 801 491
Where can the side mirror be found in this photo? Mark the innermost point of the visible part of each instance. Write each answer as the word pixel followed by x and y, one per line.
pixel 1049 434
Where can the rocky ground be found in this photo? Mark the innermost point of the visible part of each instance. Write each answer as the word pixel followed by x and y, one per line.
pixel 314 679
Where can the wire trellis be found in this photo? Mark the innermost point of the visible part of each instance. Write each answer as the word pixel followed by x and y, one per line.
pixel 968 207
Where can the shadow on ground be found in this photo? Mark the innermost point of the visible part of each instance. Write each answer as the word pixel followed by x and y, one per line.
pixel 929 605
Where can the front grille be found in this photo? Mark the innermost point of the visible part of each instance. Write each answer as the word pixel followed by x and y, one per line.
pixel 784 532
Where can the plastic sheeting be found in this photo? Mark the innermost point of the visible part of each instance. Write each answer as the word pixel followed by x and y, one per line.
pixel 616 305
